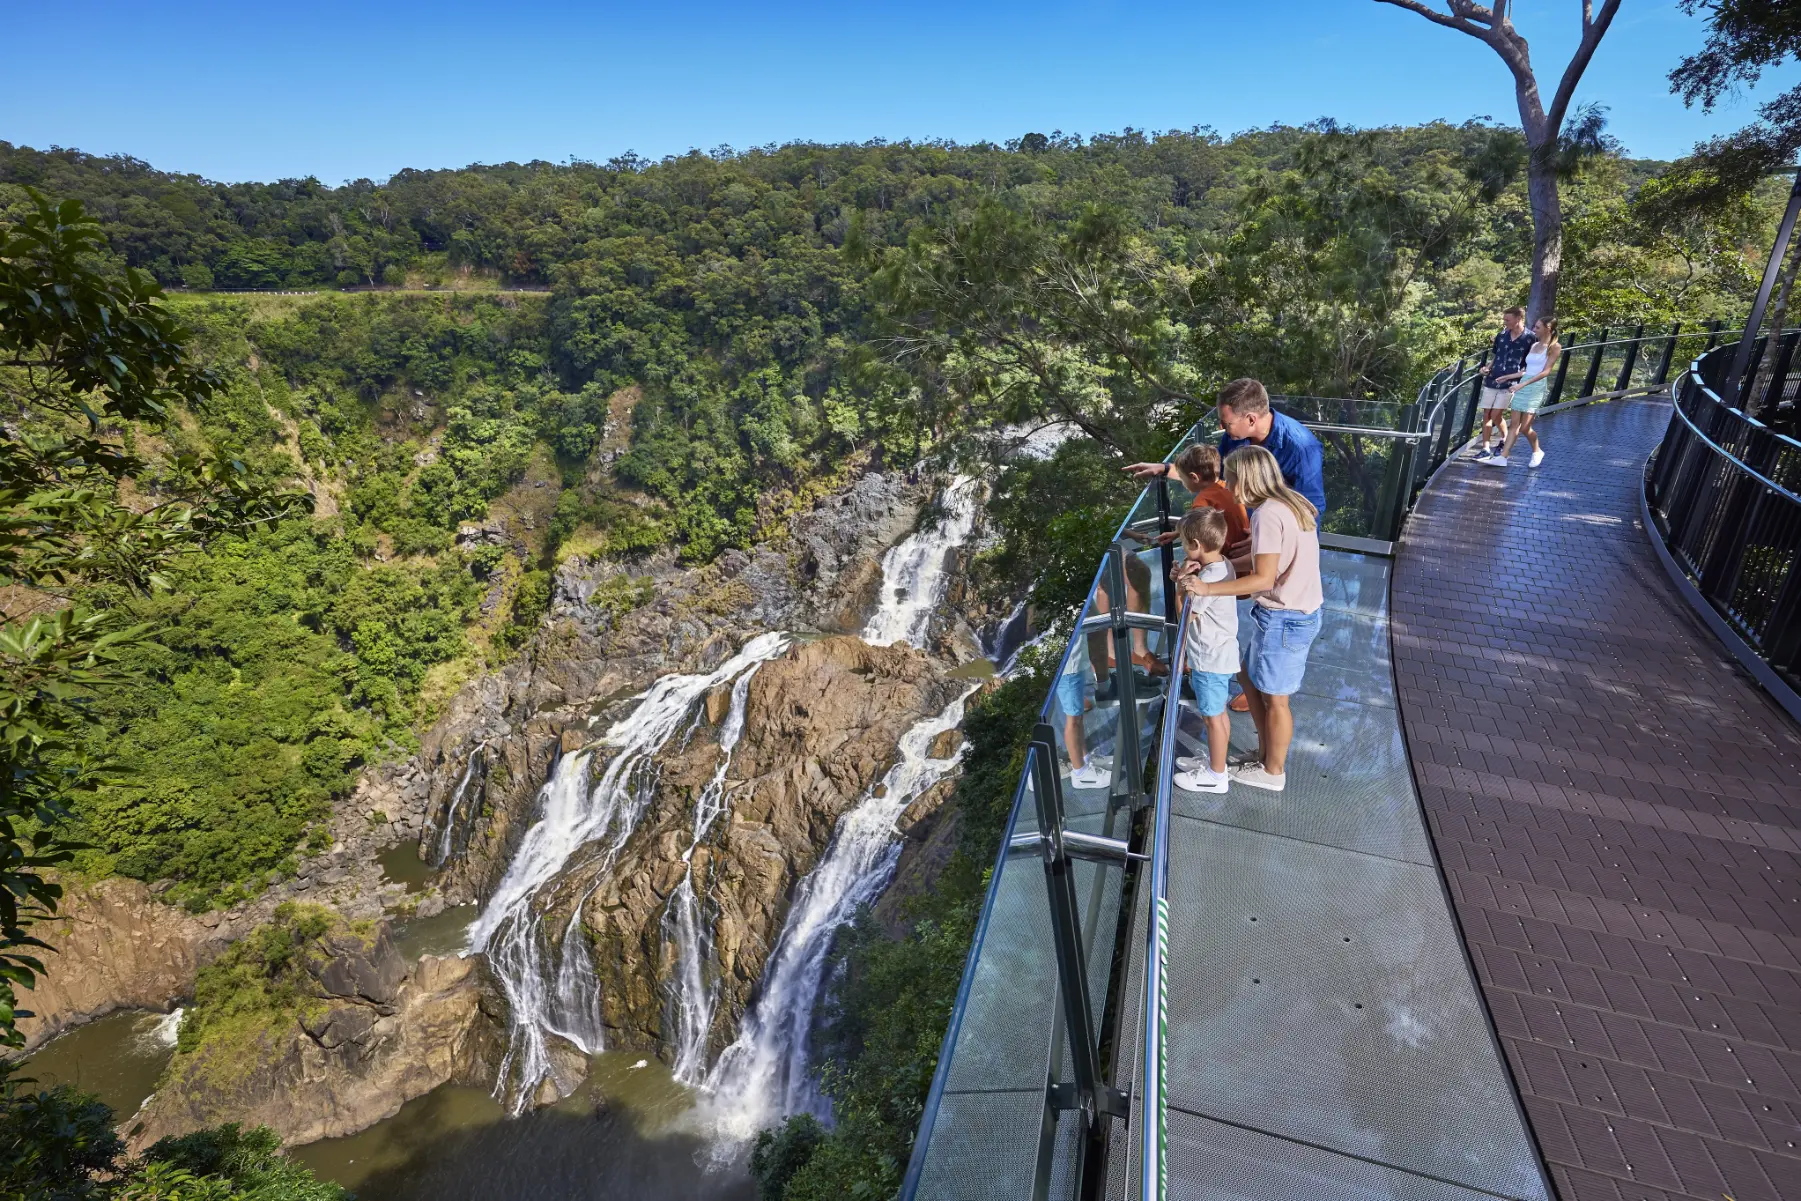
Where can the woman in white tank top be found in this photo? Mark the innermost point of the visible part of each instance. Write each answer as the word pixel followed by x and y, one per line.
pixel 1530 392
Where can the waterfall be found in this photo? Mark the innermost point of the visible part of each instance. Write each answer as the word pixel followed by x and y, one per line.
pixel 447 836
pixel 552 989
pixel 915 571
pixel 764 1074
pixel 693 998
pixel 1000 647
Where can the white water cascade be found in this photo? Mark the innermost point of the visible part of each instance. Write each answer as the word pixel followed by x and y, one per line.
pixel 574 812
pixel 764 1074
pixel 694 998
pixel 916 571
pixel 447 837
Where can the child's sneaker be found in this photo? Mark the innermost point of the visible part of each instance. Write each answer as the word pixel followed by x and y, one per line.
pixel 1203 780
pixel 1090 776
pixel 1538 456
pixel 1253 775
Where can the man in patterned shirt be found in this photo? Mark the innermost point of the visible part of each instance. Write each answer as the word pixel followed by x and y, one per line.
pixel 1506 364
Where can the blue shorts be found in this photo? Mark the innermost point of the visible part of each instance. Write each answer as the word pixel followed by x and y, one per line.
pixel 1074 691
pixel 1209 688
pixel 1280 639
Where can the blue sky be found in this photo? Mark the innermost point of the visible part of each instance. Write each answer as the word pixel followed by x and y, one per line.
pixel 240 91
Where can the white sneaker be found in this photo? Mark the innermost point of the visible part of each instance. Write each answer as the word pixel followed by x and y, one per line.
pixel 1538 456
pixel 1090 776
pixel 1193 763
pixel 1203 780
pixel 1253 775
pixel 1494 461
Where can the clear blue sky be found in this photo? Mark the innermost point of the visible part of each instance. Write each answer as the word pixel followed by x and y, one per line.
pixel 240 91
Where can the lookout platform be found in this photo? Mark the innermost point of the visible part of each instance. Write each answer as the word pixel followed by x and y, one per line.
pixel 1616 805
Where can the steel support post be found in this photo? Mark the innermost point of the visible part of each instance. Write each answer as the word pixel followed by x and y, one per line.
pixel 1741 361
pixel 1669 353
pixel 1594 366
pixel 1625 380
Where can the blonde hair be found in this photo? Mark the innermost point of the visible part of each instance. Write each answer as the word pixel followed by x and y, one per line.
pixel 1256 477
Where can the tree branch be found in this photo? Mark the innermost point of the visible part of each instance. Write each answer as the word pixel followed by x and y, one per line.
pixel 1593 28
pixel 1457 22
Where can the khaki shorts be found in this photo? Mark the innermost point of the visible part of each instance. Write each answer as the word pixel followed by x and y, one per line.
pixel 1496 398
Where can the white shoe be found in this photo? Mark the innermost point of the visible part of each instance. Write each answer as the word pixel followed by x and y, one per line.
pixel 1538 456
pixel 1254 776
pixel 1494 461
pixel 1203 780
pixel 1193 763
pixel 1090 776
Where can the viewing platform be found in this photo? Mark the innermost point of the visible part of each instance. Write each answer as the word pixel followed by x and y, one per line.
pixel 1526 922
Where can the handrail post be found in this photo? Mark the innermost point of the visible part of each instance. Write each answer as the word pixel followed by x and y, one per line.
pixel 1594 366
pixel 1669 353
pixel 1468 428
pixel 1713 336
pixel 1130 745
pixel 1625 380
pixel 1741 359
pixel 1166 557
pixel 1092 1097
pixel 1785 354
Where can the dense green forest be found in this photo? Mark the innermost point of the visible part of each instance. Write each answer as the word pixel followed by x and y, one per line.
pixel 644 358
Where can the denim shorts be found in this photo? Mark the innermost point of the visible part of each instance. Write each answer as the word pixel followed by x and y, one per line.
pixel 1209 688
pixel 1074 691
pixel 1280 639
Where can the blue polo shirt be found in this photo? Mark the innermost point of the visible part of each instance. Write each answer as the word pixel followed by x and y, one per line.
pixel 1298 453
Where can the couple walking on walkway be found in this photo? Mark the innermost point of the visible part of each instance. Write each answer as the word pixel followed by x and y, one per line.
pixel 1518 381
pixel 1273 467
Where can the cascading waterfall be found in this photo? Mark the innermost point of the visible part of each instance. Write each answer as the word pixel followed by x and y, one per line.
pixel 447 836
pixel 694 998
pixel 916 571
pixel 552 989
pixel 764 1074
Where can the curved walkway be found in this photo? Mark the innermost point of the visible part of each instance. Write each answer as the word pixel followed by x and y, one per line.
pixel 1617 807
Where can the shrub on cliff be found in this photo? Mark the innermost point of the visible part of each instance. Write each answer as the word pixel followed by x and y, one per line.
pixel 59 1145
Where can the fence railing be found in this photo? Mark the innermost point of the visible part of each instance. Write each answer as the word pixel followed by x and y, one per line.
pixel 1723 491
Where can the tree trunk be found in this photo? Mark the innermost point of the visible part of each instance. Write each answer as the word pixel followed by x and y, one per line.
pixel 1547 234
pixel 1766 368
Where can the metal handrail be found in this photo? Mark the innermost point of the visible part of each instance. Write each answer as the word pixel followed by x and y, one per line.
pixel 1749 470
pixel 1153 1112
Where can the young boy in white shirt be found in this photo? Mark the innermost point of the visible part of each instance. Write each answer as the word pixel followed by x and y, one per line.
pixel 1212 647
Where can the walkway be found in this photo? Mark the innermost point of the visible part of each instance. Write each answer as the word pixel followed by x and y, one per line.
pixel 1618 809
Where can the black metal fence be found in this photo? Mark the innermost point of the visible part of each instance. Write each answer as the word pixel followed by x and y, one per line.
pixel 1724 492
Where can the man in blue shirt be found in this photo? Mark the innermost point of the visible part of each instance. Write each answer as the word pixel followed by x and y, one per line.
pixel 1506 365
pixel 1245 419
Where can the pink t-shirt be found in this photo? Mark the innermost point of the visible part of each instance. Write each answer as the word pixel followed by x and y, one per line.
pixel 1275 530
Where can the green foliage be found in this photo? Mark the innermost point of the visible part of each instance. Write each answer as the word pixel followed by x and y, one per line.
pixel 60 1145
pixel 884 1025
pixel 260 981
pixel 83 353
pixel 781 1151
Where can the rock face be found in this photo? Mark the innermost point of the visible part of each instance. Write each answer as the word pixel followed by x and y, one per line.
pixel 820 730
pixel 117 947
pixel 377 1036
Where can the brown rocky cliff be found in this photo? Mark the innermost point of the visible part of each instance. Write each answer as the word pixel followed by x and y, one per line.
pixel 117 947
pixel 821 728
pixel 378 1035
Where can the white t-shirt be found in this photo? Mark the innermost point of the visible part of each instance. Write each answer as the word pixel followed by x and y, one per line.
pixel 1213 625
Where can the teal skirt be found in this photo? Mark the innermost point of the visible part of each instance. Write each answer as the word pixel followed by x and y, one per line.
pixel 1529 398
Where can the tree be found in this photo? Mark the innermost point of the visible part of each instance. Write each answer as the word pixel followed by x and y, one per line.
pixel 1547 141
pixel 1744 39
pixel 84 521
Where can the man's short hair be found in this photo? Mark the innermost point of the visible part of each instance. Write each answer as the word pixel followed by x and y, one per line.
pixel 1246 397
pixel 1205 526
pixel 1514 310
pixel 1201 461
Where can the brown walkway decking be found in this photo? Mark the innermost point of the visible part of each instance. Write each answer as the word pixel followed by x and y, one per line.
pixel 1618 809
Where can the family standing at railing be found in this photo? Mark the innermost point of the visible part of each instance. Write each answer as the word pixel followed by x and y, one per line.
pixel 1518 381
pixel 1275 469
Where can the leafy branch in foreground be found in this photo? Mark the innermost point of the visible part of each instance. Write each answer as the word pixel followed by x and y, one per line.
pixel 87 359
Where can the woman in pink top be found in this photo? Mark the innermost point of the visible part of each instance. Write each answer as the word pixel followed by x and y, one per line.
pixel 1281 574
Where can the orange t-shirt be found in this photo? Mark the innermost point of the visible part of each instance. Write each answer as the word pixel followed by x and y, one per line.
pixel 1218 495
